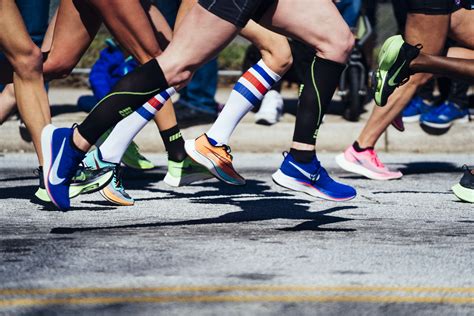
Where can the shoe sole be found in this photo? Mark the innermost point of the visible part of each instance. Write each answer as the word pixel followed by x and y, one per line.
pixel 186 180
pixel 190 147
pixel 287 182
pixel 464 194
pixel 114 201
pixel 46 138
pixel 462 120
pixel 351 167
pixel 98 185
pixel 411 119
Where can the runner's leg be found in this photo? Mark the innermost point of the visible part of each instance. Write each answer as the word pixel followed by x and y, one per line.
pixel 326 32
pixel 251 87
pixel 430 31
pixel 173 68
pixel 26 59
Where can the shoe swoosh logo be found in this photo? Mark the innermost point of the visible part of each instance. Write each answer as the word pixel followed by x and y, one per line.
pixel 392 82
pixel 53 173
pixel 305 173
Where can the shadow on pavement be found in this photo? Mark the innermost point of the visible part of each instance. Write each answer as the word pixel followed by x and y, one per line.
pixel 256 201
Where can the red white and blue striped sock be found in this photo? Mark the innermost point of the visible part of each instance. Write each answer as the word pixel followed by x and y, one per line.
pixel 247 92
pixel 113 148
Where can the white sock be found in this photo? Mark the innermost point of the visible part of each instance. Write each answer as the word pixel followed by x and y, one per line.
pixel 247 92
pixel 113 148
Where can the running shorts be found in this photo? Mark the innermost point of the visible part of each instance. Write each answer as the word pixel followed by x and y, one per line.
pixel 237 12
pixel 433 7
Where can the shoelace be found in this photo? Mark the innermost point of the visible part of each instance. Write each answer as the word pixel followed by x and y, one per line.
pixel 228 152
pixel 375 159
pixel 117 176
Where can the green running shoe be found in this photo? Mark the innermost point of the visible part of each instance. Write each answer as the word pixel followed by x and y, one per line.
pixel 185 172
pixel 132 157
pixel 114 192
pixel 86 181
pixel 394 67
pixel 464 190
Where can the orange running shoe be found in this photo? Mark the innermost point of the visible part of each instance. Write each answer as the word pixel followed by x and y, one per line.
pixel 217 159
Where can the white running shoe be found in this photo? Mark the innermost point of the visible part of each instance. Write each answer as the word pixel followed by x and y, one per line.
pixel 271 109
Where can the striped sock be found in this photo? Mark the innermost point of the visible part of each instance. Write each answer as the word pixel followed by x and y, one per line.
pixel 248 91
pixel 113 148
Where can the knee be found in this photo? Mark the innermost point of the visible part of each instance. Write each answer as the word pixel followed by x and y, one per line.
pixel 337 46
pixel 28 62
pixel 176 74
pixel 57 68
pixel 279 60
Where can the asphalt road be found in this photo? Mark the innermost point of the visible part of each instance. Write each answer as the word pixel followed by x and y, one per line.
pixel 402 247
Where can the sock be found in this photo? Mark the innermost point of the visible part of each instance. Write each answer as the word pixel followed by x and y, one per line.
pixel 316 93
pixel 128 95
pixel 303 156
pixel 359 149
pixel 247 92
pixel 174 143
pixel 113 148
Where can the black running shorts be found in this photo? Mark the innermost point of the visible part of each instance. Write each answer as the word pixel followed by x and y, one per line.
pixel 433 7
pixel 237 12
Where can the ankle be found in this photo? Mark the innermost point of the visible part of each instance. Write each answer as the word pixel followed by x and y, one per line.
pixel 303 156
pixel 79 142
pixel 358 147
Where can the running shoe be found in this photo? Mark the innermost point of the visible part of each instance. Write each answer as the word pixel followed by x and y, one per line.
pixel 366 163
pixel 394 67
pixel 414 109
pixel 185 172
pixel 216 159
pixel 61 162
pixel 311 178
pixel 132 157
pixel 271 109
pixel 464 190
pixel 114 192
pixel 444 116
pixel 84 182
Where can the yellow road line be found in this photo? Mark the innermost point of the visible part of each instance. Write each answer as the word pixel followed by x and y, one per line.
pixel 238 288
pixel 233 299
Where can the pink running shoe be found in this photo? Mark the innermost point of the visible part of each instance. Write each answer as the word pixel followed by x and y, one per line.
pixel 398 123
pixel 366 163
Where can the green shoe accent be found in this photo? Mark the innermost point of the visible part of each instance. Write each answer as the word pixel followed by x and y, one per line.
pixel 387 57
pixel 185 172
pixel 86 181
pixel 133 159
pixel 464 194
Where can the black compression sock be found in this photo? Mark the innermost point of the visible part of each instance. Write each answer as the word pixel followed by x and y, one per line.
pixel 317 90
pixel 174 143
pixel 131 92
pixel 359 149
pixel 303 156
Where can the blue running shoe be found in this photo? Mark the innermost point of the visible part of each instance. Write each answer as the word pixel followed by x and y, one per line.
pixel 444 116
pixel 311 178
pixel 414 110
pixel 61 161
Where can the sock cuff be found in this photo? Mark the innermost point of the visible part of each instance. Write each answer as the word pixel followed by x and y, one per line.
pixel 276 77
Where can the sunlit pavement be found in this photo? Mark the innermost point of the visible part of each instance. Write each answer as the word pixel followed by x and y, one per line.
pixel 401 247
